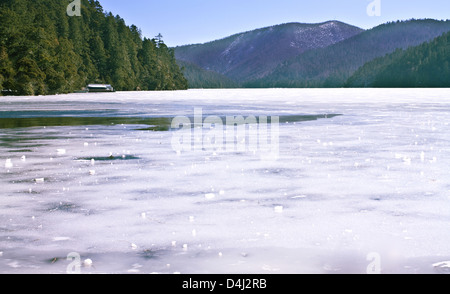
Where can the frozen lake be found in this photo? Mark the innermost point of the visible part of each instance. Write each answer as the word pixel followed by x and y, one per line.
pixel 358 182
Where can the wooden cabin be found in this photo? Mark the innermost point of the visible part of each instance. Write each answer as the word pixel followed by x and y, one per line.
pixel 97 88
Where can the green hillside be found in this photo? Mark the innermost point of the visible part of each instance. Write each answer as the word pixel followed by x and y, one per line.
pixel 199 78
pixel 333 65
pixel 45 51
pixel 426 65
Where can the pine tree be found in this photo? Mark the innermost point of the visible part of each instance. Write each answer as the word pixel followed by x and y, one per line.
pixel 44 51
pixel 6 70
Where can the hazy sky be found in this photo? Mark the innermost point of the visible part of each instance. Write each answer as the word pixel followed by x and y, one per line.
pixel 197 21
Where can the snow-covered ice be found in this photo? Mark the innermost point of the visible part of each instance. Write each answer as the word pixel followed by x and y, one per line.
pixel 102 179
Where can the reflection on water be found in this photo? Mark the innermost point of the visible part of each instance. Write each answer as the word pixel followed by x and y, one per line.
pixel 158 123
pixel 154 123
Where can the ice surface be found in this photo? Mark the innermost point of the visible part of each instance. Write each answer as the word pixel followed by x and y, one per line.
pixel 371 180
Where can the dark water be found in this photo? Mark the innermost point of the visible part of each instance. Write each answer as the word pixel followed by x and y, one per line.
pixel 52 119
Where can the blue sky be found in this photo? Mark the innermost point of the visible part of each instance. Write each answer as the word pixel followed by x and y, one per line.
pixel 197 21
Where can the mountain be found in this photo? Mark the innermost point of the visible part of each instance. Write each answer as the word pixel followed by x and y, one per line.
pixel 255 54
pixel 207 79
pixel 43 50
pixel 333 65
pixel 426 65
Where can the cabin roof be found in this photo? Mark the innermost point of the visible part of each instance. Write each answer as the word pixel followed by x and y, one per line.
pixel 99 86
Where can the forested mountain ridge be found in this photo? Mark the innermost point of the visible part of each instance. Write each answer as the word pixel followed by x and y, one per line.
pixel 333 65
pixel 45 51
pixel 254 54
pixel 426 65
pixel 206 79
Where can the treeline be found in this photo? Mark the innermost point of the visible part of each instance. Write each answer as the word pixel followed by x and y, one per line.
pixel 199 78
pixel 45 51
pixel 334 65
pixel 426 65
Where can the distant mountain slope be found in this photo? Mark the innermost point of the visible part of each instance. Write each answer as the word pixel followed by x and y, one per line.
pixel 206 79
pixel 254 54
pixel 333 65
pixel 426 65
